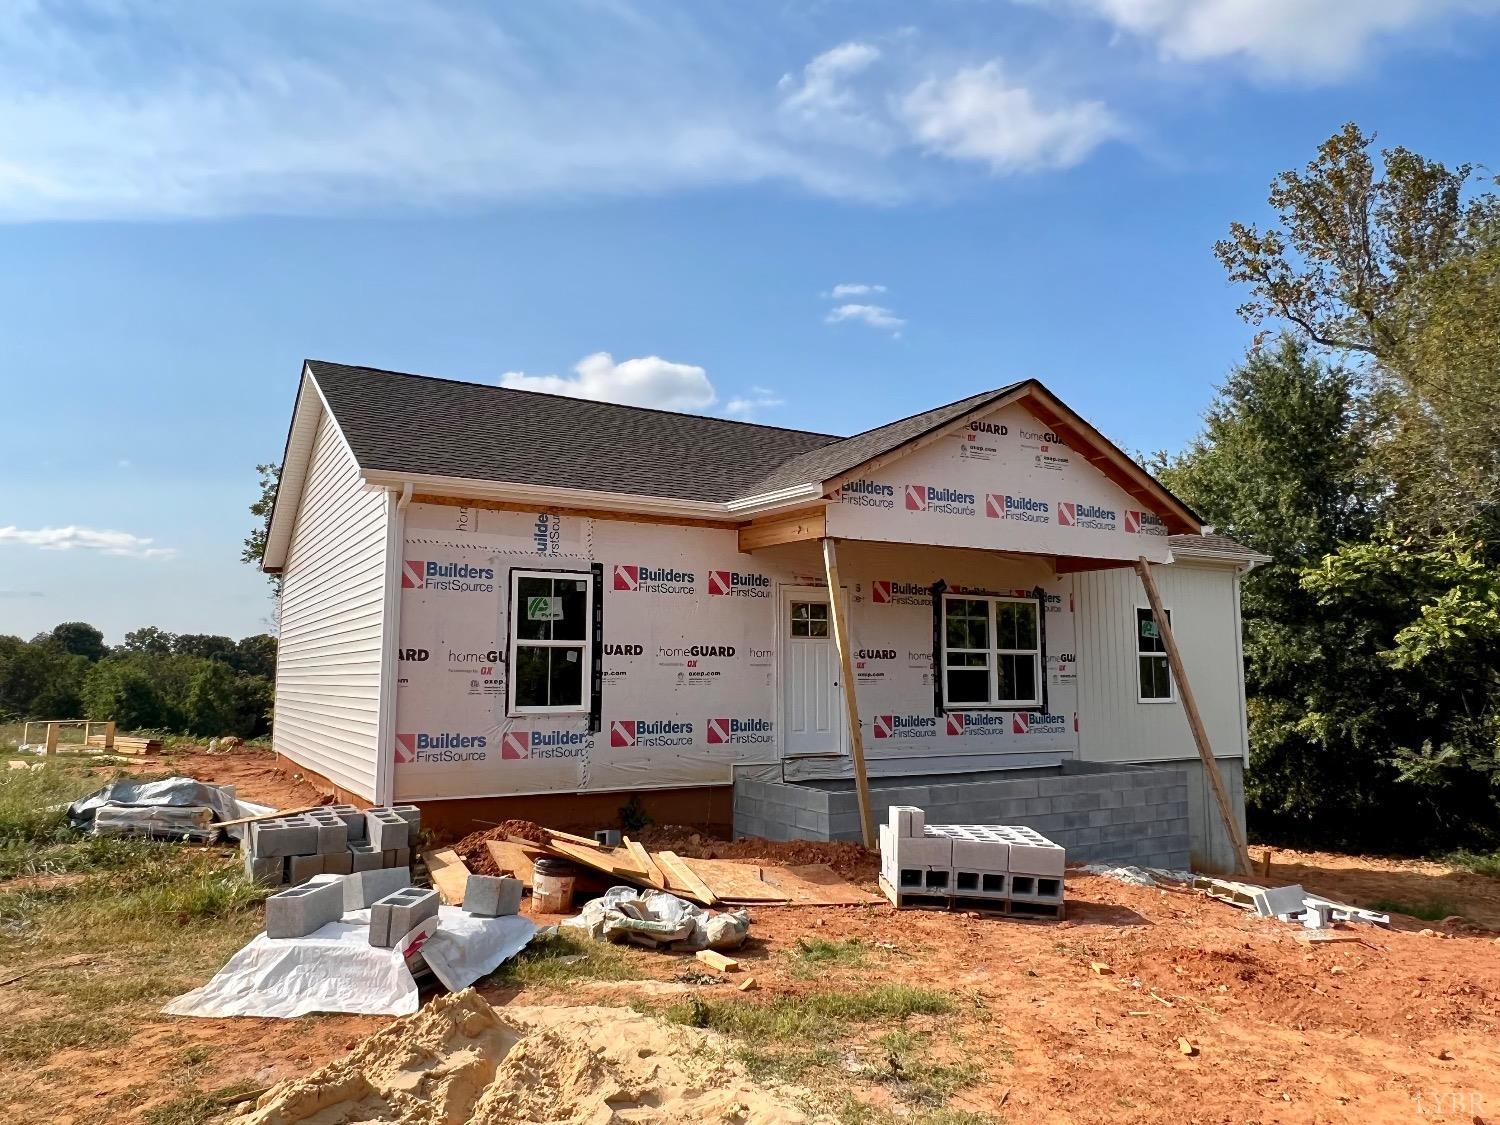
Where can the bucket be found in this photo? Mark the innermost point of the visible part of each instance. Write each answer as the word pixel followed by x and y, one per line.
pixel 552 885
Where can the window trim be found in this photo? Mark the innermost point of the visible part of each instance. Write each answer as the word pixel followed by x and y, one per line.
pixel 1171 696
pixel 1038 655
pixel 585 705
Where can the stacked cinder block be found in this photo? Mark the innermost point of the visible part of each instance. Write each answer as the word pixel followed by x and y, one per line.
pixel 1016 867
pixel 331 840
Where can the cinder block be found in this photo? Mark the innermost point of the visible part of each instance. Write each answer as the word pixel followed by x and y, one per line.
pixel 353 818
pixel 364 888
pixel 924 851
pixel 283 836
pixel 333 833
pixel 907 820
pixel 411 814
pixel 981 855
pixel 492 897
pixel 365 858
pixel 397 857
pixel 298 911
pixel 397 914
pixel 386 830
pixel 268 871
pixel 338 863
pixel 1279 900
pixel 301 868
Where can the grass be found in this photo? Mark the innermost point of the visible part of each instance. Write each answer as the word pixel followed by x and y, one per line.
pixel 1480 863
pixel 816 1017
pixel 811 956
pixel 1429 910
pixel 557 958
pixel 195 1106
pixel 907 1067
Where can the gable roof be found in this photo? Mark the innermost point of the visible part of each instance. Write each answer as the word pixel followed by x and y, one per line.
pixel 481 441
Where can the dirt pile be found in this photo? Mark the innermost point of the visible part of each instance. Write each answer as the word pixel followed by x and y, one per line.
pixel 472 851
pixel 457 1062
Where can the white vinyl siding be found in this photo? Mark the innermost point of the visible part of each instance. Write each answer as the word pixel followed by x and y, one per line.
pixel 1112 724
pixel 332 600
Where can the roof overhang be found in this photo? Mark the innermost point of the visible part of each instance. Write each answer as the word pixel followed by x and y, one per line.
pixel 307 413
pixel 1241 560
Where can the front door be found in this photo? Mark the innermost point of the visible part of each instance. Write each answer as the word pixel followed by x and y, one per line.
pixel 811 704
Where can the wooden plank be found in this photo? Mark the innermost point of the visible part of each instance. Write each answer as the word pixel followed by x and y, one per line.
pixel 683 880
pixel 569 838
pixel 816 884
pixel 1195 720
pixel 734 882
pixel 512 859
pixel 450 874
pixel 643 857
pixel 615 862
pixel 556 510
pixel 264 816
pixel 716 960
pixel 788 529
pixel 837 614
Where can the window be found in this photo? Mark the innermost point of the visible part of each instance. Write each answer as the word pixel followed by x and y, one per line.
pixel 992 652
pixel 809 619
pixel 1154 673
pixel 551 642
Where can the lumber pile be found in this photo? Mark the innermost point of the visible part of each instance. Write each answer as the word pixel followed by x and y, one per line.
pixel 126 744
pixel 708 882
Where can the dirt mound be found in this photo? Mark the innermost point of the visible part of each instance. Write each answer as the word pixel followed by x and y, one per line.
pixel 847 858
pixel 472 851
pixel 457 1062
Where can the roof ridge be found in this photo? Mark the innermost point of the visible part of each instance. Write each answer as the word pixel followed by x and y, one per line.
pixel 576 398
pixel 993 392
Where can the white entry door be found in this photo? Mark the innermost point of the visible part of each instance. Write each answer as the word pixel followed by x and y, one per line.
pixel 812 707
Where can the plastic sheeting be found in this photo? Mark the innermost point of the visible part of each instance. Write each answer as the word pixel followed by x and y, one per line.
pixel 169 806
pixel 336 969
pixel 659 920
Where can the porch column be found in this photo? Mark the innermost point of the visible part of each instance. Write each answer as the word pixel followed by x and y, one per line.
pixel 1195 720
pixel 840 621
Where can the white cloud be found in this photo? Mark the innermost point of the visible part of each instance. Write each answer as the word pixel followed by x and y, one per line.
pixel 1292 37
pixel 854 289
pixel 86 539
pixel 746 407
pixel 876 316
pixel 978 113
pixel 824 100
pixel 646 381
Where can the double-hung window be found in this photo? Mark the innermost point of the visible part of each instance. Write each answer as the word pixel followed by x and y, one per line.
pixel 551 642
pixel 992 652
pixel 1153 672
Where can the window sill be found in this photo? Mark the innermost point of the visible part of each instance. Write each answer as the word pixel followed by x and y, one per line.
pixel 1036 706
pixel 1154 702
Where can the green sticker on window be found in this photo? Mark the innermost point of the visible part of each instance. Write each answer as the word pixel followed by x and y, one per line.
pixel 1148 629
pixel 544 609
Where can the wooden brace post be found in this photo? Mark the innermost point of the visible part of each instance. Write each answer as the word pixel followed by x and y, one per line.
pixel 840 621
pixel 1195 720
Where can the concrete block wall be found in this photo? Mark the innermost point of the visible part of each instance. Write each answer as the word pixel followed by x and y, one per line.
pixel 1101 813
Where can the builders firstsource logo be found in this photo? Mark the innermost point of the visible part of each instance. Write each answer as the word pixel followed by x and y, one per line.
pixel 1036 722
pixel 1145 523
pixel 544 745
pixel 1027 509
pixel 1091 516
pixel 738 732
pixel 943 501
pixel 976 723
pixel 448 578
pixel 733 584
pixel 868 494
pixel 905 726
pixel 653 579
pixel 626 733
pixel 442 747
pixel 887 592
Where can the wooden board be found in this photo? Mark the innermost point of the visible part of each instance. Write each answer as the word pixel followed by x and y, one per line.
pixel 653 873
pixel 569 838
pixel 682 880
pixel 816 884
pixel 735 882
pixel 615 862
pixel 715 960
pixel 450 874
pixel 511 858
pixel 264 816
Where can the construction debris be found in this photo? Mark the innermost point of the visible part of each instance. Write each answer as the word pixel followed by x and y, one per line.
pixel 1289 903
pixel 718 962
pixel 180 808
pixel 659 920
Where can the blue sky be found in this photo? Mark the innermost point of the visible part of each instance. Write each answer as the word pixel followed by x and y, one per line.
pixel 823 214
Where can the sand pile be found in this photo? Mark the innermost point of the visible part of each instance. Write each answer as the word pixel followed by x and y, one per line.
pixel 457 1062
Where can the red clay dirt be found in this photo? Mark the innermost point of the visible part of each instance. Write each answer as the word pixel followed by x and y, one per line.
pixel 1397 1026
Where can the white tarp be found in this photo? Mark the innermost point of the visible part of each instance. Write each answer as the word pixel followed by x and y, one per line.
pixel 336 969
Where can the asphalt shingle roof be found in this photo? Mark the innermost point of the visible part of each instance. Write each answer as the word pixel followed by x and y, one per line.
pixel 1212 543
pixel 418 424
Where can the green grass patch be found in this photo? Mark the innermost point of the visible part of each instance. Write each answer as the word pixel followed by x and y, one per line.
pixel 554 958
pixel 785 1065
pixel 816 1017
pixel 196 1107
pixel 1429 910
pixel 904 1063
pixel 811 956
pixel 31 1040
pixel 1480 863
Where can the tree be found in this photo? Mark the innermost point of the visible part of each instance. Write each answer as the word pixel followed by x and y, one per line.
pixel 210 703
pixel 79 639
pixel 256 656
pixel 150 639
pixel 255 543
pixel 205 645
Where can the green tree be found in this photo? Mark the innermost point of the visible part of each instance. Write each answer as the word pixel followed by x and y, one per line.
pixel 205 645
pixel 79 638
pixel 256 656
pixel 123 689
pixel 209 707
pixel 150 639
pixel 254 551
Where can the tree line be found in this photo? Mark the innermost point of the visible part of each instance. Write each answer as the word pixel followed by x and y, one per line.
pixel 192 683
pixel 1360 447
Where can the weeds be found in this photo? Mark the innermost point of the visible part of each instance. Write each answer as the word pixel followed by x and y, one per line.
pixel 1431 910
pixel 912 1074
pixel 196 1107
pixel 818 1016
pixel 559 957
pixel 817 951
pixel 1480 863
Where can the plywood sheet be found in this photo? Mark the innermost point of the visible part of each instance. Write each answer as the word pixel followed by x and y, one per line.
pixel 735 882
pixel 512 858
pixel 816 884
pixel 450 874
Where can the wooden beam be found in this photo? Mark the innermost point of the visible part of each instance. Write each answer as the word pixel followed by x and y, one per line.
pixel 638 852
pixel 450 874
pixel 555 510
pixel 788 529
pixel 1195 720
pixel 841 640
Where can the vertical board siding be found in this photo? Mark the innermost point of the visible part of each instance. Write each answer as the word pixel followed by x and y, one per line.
pixel 1112 725
pixel 332 600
